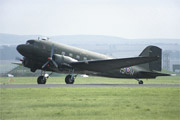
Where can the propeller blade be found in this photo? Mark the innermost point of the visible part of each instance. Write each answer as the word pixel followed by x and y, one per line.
pixel 17 58
pixel 52 50
pixel 23 69
pixel 50 59
pixel 45 64
pixel 54 63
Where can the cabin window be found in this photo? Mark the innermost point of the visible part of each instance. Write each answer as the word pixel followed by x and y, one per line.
pixel 63 53
pixel 70 54
pixel 77 56
pixel 85 58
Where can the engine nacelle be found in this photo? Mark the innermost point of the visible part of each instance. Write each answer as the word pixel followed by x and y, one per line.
pixel 61 59
pixel 28 63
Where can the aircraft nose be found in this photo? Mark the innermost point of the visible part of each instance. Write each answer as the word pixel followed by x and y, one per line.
pixel 19 48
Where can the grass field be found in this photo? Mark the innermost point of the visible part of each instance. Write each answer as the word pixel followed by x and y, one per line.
pixel 90 103
pixel 91 80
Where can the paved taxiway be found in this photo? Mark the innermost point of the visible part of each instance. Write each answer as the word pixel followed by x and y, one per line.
pixel 85 85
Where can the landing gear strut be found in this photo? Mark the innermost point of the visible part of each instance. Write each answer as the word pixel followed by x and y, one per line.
pixel 139 81
pixel 70 78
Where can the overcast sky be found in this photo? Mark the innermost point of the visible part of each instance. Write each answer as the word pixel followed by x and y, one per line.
pixel 122 18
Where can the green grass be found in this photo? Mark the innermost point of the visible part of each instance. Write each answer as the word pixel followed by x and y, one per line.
pixel 90 103
pixel 93 103
pixel 91 80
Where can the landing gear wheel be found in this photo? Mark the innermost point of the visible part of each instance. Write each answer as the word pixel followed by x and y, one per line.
pixel 69 79
pixel 41 80
pixel 140 82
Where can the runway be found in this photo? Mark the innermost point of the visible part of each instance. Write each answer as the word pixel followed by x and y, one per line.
pixel 84 85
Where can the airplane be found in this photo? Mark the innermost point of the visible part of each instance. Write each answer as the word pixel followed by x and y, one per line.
pixel 46 55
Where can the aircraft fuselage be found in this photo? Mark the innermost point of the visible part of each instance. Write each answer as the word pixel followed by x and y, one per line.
pixel 37 52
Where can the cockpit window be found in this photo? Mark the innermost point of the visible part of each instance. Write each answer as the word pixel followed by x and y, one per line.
pixel 27 43
pixel 30 42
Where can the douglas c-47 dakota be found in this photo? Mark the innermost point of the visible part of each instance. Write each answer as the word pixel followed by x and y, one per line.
pixel 49 56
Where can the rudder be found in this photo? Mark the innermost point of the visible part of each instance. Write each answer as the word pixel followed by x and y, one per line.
pixel 152 51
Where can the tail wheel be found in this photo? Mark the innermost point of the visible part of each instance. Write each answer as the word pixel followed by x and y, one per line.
pixel 41 80
pixel 69 79
pixel 140 82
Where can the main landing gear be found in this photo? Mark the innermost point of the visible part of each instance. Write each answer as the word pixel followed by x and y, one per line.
pixel 70 78
pixel 42 79
pixel 139 81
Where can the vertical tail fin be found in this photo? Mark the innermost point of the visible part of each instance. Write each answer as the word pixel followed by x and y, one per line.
pixel 152 51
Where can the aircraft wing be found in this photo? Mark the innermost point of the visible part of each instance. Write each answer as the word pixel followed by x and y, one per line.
pixel 17 63
pixel 109 64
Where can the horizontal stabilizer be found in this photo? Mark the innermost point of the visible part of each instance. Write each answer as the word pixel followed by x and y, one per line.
pixel 153 74
pixel 109 64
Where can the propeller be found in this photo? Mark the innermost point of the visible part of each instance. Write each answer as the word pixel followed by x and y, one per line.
pixel 21 59
pixel 50 59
